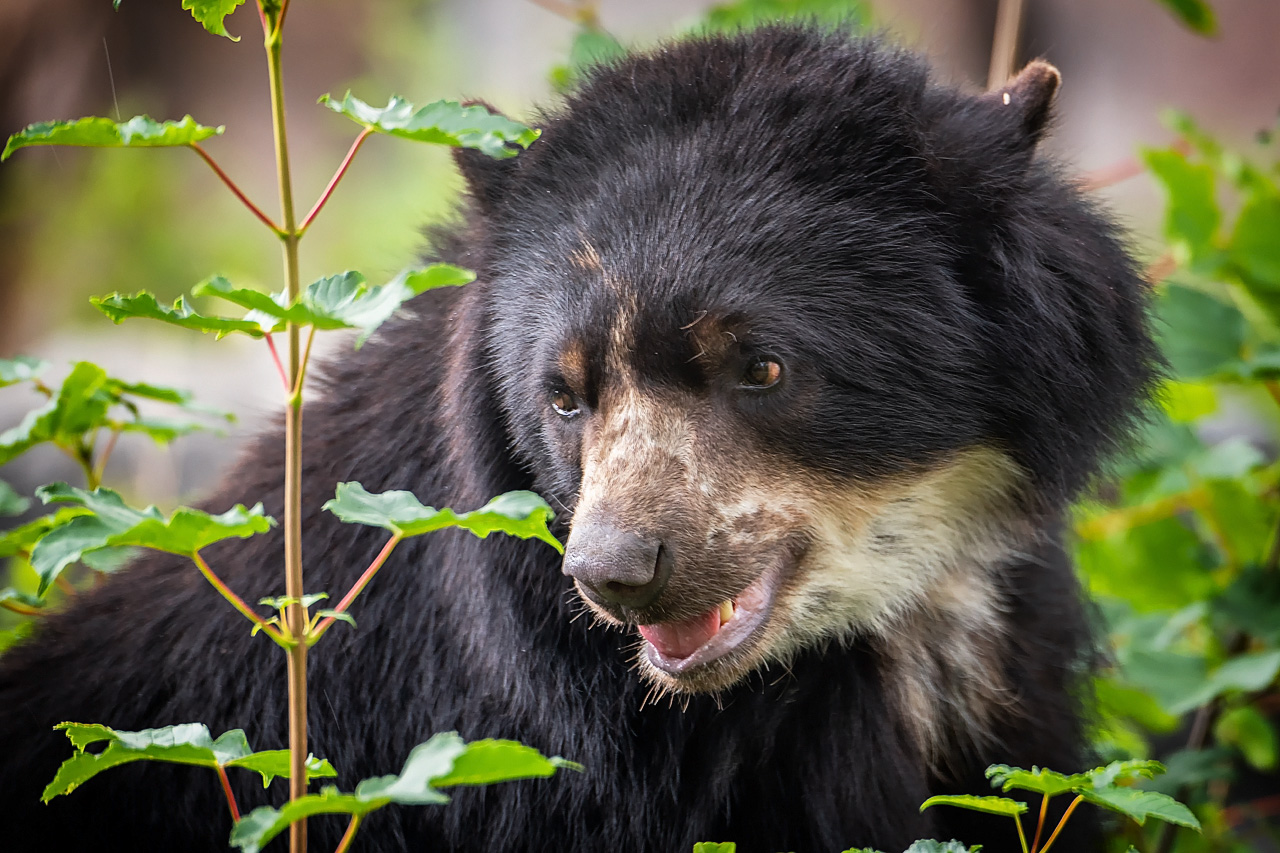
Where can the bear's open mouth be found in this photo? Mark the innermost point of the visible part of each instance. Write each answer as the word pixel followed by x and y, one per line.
pixel 680 646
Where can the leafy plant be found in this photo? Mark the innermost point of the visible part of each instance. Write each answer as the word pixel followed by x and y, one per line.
pixel 98 523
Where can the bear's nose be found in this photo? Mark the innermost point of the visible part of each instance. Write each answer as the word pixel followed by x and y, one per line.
pixel 617 566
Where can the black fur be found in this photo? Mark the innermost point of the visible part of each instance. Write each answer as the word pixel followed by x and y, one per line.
pixel 932 282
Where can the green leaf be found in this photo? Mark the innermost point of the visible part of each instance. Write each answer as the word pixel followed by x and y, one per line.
pixel 376 305
pixel 1250 604
pixel 443 122
pixel 415 785
pixel 989 805
pixel 1254 246
pixel 1249 730
pixel 941 847
pixel 280 602
pixel 189 743
pixel 20 540
pixel 185 532
pixel 591 46
pixel 340 616
pixel 746 14
pixel 1121 771
pixel 488 761
pixel 162 430
pixel 80 406
pixel 12 636
pixel 1139 805
pixel 211 13
pixel 522 514
pixel 1036 780
pixel 1200 335
pixel 11 594
pixel 137 132
pixel 1247 672
pixel 11 503
pixel 120 307
pixel 276 762
pixel 21 369
pixel 1195 14
pixel 715 847
pixel 1192 216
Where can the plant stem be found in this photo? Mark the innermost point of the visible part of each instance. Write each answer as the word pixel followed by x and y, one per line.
pixel 21 609
pixel 356 588
pixel 1065 816
pixel 1004 45
pixel 226 789
pixel 64 585
pixel 349 835
pixel 275 356
pixel 101 468
pixel 1022 838
pixel 238 603
pixel 296 616
pixel 295 393
pixel 333 182
pixel 1044 810
pixel 231 185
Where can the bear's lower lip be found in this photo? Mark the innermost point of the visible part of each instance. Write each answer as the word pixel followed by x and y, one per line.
pixel 751 611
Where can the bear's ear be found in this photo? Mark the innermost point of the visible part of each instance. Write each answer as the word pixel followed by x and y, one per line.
pixel 486 177
pixel 1024 103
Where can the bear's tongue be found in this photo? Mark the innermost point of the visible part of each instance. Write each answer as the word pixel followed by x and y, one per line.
pixel 678 640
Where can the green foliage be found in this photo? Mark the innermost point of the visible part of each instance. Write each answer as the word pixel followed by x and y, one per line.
pixel 442 122
pixel 987 805
pixel 591 46
pixel 522 514
pixel 112 523
pixel 11 503
pixel 1196 14
pixel 442 761
pixel 211 13
pixel 93 132
pixel 745 14
pixel 21 369
pixel 715 847
pixel 190 743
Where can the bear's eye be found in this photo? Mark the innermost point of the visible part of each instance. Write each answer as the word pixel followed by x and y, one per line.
pixel 762 373
pixel 564 403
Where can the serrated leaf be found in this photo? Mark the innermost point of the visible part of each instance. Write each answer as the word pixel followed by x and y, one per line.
pixel 522 514
pixel 279 602
pixel 414 785
pixel 1253 671
pixel 21 369
pixel 1122 771
pixel 930 846
pixel 120 307
pixel 715 847
pixel 443 123
pixel 212 13
pixel 162 430
pixel 79 406
pixel 1195 14
pixel 20 540
pixel 1138 805
pixel 340 616
pixel 376 305
pixel 12 503
pixel 189 743
pixel 94 132
pixel 174 396
pixel 276 762
pixel 488 761
pixel 114 523
pixel 747 14
pixel 988 805
pixel 1037 780
pixel 1249 730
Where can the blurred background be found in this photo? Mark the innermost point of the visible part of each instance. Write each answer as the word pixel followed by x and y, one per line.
pixel 1180 545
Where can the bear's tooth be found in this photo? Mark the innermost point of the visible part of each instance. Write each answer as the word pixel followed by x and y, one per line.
pixel 726 611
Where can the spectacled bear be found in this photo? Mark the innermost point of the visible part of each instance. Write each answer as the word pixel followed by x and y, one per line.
pixel 810 352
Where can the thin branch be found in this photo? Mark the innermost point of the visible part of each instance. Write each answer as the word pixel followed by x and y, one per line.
pixel 333 182
pixel 1123 170
pixel 64 585
pixel 356 589
pixel 21 609
pixel 226 789
pixel 275 356
pixel 1022 838
pixel 238 603
pixel 1004 45
pixel 1044 810
pixel 231 185
pixel 345 844
pixel 101 468
pixel 295 394
pixel 1065 815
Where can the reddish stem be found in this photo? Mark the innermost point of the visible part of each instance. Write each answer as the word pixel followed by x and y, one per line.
pixel 1123 170
pixel 333 182
pixel 1065 815
pixel 101 468
pixel 231 185
pixel 356 589
pixel 226 789
pixel 275 356
pixel 1044 809
pixel 237 602
pixel 64 585
pixel 345 844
